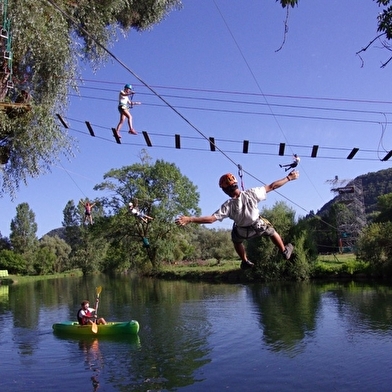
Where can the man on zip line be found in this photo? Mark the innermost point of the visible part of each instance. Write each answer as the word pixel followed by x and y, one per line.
pixel 242 208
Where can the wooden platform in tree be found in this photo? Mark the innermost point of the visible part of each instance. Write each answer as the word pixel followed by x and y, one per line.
pixel 12 105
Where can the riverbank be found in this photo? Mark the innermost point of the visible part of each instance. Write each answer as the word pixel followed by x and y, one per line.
pixel 11 279
pixel 326 267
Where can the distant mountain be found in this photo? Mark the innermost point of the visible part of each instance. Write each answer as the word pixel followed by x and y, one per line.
pixel 60 232
pixel 374 184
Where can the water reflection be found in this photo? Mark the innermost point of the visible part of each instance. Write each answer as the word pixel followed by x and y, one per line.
pixel 4 291
pixel 197 336
pixel 93 359
pixel 288 314
pixel 364 307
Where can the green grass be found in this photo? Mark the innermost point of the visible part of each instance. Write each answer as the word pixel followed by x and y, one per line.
pixel 28 278
pixel 326 266
pixel 339 264
pixel 202 265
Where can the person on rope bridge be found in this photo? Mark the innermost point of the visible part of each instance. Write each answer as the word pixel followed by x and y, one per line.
pixel 124 105
pixel 87 211
pixel 134 210
pixel 292 165
pixel 242 208
pixel 86 315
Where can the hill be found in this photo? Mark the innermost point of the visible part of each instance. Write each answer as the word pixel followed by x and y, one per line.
pixel 374 184
pixel 60 232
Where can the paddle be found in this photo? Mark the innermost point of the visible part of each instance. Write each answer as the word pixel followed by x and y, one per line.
pixel 94 327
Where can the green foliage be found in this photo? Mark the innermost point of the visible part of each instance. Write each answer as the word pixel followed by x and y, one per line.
pixel 60 249
pixel 299 266
pixel 5 243
pixel 160 191
pixel 211 243
pixel 374 184
pixel 384 205
pixel 269 262
pixel 325 269
pixel 375 247
pixel 44 261
pixel 385 19
pixel 13 262
pixel 23 230
pixel 310 229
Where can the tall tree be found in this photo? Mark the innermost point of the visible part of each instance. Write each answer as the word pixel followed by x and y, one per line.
pixel 60 249
pixel 160 191
pixel 23 230
pixel 71 223
pixel 46 42
pixel 384 203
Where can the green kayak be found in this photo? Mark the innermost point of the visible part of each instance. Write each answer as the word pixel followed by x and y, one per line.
pixel 112 328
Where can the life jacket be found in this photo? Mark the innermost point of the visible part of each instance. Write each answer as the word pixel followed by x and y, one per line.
pixel 81 319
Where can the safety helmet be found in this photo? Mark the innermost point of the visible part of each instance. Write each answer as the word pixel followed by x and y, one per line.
pixel 227 180
pixel 128 86
pixel 130 205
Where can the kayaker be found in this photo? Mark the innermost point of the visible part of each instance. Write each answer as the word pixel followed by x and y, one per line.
pixel 86 315
pixel 242 208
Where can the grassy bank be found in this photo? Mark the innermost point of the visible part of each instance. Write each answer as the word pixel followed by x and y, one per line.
pixel 334 266
pixel 340 265
pixel 28 278
pixel 325 267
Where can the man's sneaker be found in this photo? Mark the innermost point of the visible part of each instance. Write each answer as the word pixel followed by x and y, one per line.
pixel 288 251
pixel 246 264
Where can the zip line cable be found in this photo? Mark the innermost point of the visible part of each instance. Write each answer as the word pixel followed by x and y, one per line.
pixel 247 65
pixel 258 113
pixel 348 100
pixel 259 87
pixel 111 54
pixel 68 17
pixel 147 86
pixel 270 106
pixel 72 179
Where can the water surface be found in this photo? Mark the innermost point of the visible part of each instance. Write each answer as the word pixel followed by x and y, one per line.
pixel 198 336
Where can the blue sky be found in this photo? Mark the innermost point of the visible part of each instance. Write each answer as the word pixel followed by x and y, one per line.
pixel 216 62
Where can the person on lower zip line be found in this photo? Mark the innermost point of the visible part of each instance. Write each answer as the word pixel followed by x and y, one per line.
pixel 242 208
pixel 295 163
pixel 86 315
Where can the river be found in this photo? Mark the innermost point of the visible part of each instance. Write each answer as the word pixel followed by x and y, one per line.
pixel 198 336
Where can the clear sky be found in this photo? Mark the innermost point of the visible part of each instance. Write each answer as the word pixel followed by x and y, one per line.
pixel 217 65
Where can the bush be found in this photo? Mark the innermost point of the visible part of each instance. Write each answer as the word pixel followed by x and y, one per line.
pixel 13 262
pixel 375 246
